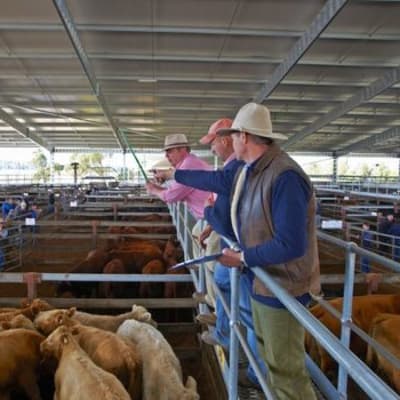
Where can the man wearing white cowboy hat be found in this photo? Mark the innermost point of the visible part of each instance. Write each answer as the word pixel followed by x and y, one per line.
pixel 272 212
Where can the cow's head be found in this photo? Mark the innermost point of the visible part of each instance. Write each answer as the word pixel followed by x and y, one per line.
pixel 54 344
pixel 47 321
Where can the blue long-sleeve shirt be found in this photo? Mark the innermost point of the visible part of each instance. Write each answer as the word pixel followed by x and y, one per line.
pixel 220 182
pixel 289 204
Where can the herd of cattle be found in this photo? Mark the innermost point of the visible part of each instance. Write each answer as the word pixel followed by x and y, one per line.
pixel 377 315
pixel 86 356
pixel 126 255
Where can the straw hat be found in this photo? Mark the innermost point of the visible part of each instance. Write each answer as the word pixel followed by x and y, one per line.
pixel 175 140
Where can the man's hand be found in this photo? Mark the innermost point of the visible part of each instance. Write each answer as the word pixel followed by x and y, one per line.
pixel 230 258
pixel 153 188
pixel 204 235
pixel 162 175
pixel 210 201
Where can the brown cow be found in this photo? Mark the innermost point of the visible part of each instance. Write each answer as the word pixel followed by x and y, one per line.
pixel 29 311
pixel 152 289
pixel 92 264
pixel 114 289
pixel 365 308
pixel 173 254
pixel 20 361
pixel 385 329
pixel 76 367
pixel 136 254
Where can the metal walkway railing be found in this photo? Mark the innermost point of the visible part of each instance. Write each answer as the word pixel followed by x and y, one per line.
pixel 349 363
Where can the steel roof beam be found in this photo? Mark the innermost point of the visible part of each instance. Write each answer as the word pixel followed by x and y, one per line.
pixel 370 142
pixel 23 130
pixel 318 25
pixel 48 27
pixel 377 87
pixel 70 28
pixel 192 59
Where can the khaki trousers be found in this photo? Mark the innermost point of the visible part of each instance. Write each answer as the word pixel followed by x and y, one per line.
pixel 283 352
pixel 213 246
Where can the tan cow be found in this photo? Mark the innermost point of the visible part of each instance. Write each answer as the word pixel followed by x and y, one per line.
pixel 162 373
pixel 106 349
pixel 365 308
pixel 105 322
pixel 385 329
pixel 19 321
pixel 77 376
pixel 29 311
pixel 20 361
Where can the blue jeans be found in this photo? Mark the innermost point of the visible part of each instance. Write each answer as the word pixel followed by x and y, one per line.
pixel 365 267
pixel 222 329
pixel 222 280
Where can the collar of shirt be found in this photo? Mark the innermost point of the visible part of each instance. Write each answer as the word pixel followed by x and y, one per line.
pixel 229 159
pixel 181 162
pixel 252 164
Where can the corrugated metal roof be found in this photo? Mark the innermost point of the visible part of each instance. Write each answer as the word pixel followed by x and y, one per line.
pixel 328 70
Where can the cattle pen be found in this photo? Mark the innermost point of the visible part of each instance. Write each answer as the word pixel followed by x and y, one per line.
pixel 132 129
pixel 55 243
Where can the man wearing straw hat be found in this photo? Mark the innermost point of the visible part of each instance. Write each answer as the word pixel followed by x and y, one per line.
pixel 177 151
pixel 272 212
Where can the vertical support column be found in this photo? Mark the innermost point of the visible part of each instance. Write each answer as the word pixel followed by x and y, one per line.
pixel 125 169
pixel 398 171
pixel 32 279
pixel 52 166
pixel 334 173
pixel 75 166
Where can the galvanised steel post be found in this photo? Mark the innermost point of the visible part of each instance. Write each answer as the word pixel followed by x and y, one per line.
pixel 234 342
pixel 348 291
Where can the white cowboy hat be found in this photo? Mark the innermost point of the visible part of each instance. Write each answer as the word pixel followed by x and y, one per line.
pixel 255 119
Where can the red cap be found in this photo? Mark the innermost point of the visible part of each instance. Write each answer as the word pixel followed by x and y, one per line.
pixel 224 123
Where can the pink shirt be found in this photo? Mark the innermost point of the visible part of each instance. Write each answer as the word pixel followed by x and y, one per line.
pixel 194 198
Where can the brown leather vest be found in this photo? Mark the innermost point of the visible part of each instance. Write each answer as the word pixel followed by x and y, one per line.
pixel 300 275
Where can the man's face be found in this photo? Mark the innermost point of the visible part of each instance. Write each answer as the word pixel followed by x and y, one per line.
pixel 218 146
pixel 238 144
pixel 175 155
